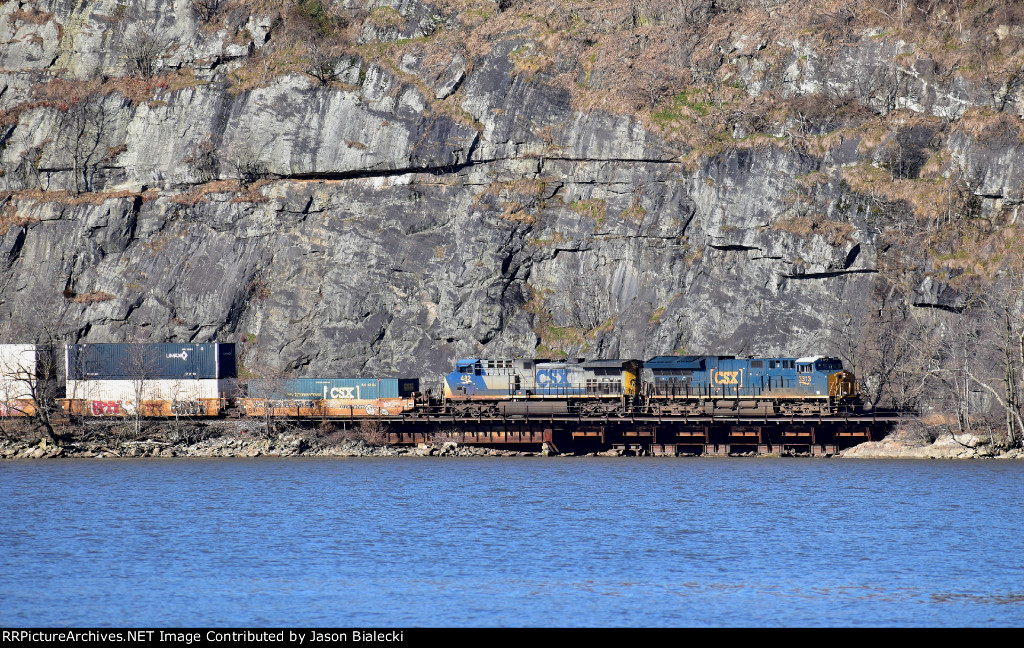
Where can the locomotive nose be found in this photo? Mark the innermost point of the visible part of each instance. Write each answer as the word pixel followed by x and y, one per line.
pixel 842 385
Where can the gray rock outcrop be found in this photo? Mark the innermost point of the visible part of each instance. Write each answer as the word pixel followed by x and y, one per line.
pixel 449 205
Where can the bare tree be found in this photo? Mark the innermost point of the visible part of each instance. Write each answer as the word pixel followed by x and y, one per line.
pixel 955 353
pixel 35 377
pixel 321 64
pixel 184 406
pixel 29 383
pixel 999 369
pixel 270 399
pixel 80 135
pixel 141 364
pixel 896 355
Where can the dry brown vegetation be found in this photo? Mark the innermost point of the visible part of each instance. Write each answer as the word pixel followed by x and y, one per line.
pixel 10 217
pixel 63 93
pixel 31 15
pixel 308 37
pixel 93 297
pixel 516 200
pixel 72 199
pixel 837 234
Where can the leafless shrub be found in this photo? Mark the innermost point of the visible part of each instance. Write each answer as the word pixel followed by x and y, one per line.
pixel 142 50
pixel 258 289
pixel 246 165
pixel 369 431
pixel 204 161
pixel 26 172
pixel 206 9
pixel 916 432
pixel 373 431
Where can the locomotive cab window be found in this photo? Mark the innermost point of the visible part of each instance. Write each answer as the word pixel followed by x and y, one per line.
pixel 804 368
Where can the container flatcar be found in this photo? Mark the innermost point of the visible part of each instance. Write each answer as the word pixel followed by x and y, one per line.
pixel 330 397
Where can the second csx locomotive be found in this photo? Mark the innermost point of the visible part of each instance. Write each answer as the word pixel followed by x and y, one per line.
pixel 664 385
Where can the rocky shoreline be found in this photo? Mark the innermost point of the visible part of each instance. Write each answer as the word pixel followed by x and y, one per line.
pixel 286 446
pixel 944 447
pixel 227 439
pixel 239 440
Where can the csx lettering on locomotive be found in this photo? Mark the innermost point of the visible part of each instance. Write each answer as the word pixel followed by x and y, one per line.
pixel 728 377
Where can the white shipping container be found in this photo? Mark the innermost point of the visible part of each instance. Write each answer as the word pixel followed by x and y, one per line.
pixel 17 371
pixel 152 390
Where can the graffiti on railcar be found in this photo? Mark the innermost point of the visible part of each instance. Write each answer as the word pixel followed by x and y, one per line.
pixel 106 408
pixel 188 408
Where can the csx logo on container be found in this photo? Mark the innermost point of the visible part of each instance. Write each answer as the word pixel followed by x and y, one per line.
pixel 342 392
pixel 728 377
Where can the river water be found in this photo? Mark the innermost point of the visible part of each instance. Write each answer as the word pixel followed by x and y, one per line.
pixel 400 542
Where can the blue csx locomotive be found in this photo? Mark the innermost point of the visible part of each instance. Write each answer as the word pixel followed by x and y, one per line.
pixel 664 385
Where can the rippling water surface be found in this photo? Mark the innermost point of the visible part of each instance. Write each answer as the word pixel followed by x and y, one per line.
pixel 511 542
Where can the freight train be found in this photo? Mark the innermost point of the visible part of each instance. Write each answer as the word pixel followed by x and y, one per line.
pixel 164 380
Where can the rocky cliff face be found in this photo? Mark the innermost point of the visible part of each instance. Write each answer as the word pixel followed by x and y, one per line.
pixel 462 181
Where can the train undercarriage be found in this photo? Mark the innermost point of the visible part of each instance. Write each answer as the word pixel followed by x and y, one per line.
pixel 625 406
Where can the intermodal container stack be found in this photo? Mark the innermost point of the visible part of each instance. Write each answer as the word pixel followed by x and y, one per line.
pixel 114 379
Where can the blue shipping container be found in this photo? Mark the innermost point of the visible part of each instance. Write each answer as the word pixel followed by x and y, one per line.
pixel 150 361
